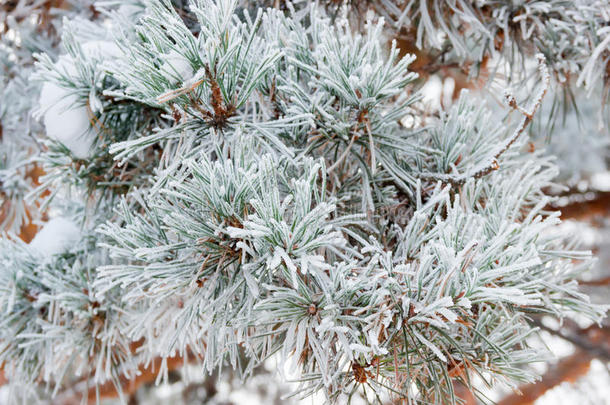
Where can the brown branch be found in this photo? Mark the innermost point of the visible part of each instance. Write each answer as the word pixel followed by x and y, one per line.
pixel 583 208
pixel 128 386
pixel 592 342
pixel 595 340
pixel 464 393
pixel 28 229
pixel 595 283
pixel 73 395
pixel 568 369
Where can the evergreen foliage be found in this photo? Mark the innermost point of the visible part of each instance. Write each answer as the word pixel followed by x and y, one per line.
pixel 236 182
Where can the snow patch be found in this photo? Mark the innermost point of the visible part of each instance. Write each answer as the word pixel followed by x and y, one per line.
pixel 55 237
pixel 177 67
pixel 101 49
pixel 66 121
pixel 65 118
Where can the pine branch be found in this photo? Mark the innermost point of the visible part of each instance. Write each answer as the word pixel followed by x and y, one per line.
pixel 248 183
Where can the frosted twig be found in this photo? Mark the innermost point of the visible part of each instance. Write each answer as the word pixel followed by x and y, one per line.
pixel 344 154
pixel 492 163
pixel 371 145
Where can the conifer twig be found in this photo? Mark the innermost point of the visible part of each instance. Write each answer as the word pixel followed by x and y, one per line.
pixel 528 116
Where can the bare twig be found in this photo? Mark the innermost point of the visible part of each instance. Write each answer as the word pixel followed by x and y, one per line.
pixel 344 154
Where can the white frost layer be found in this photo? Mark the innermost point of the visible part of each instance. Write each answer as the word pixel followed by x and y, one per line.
pixel 55 237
